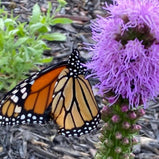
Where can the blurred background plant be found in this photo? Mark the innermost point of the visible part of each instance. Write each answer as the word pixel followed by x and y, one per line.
pixel 22 44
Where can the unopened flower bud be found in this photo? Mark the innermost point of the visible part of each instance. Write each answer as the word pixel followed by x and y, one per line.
pixel 132 115
pixel 125 141
pixel 107 126
pixel 136 127
pixel 126 125
pixel 108 142
pixel 115 118
pixel 141 112
pixel 105 110
pixel 126 156
pixel 111 99
pixel 134 141
pixel 118 150
pixel 124 108
pixel 132 156
pixel 118 135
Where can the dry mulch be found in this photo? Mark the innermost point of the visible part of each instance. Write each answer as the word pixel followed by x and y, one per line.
pixel 42 141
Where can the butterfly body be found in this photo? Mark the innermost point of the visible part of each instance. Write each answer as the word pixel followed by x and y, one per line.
pixel 59 92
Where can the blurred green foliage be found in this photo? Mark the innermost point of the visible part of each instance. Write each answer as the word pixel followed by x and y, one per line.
pixel 22 44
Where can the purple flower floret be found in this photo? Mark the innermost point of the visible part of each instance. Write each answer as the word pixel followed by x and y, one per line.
pixel 126 50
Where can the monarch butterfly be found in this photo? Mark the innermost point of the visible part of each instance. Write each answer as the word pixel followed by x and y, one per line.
pixel 59 92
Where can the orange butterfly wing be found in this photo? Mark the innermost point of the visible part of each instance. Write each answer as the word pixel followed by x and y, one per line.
pixel 60 92
pixel 29 101
pixel 74 107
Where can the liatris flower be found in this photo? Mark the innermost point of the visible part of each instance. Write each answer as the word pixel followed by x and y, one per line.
pixel 126 50
pixel 126 62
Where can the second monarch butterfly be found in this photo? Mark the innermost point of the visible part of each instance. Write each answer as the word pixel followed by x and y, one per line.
pixel 59 92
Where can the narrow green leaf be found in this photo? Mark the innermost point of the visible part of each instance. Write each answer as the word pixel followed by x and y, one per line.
pixel 32 50
pixel 9 22
pixel 19 59
pixel 20 41
pixel 62 2
pixel 13 32
pixel 2 24
pixel 39 27
pixel 60 21
pixel 35 14
pixel 47 60
pixel 2 41
pixel 41 44
pixel 49 10
pixel 54 37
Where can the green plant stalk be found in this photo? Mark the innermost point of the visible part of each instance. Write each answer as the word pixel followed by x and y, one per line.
pixel 108 134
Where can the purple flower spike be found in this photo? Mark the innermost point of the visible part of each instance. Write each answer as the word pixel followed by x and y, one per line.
pixel 126 51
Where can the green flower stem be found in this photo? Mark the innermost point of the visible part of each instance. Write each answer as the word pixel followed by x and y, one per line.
pixel 116 138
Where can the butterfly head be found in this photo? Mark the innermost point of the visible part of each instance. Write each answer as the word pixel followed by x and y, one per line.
pixel 75 66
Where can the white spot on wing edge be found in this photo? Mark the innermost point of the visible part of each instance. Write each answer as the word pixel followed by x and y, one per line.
pixel 23 122
pixel 29 115
pixel 70 135
pixel 14 98
pixel 28 120
pixel 23 90
pixel 34 117
pixel 67 132
pixel 15 91
pixel 63 133
pixel 22 117
pixel 23 84
pixel 41 118
pixel 24 95
pixel 89 128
